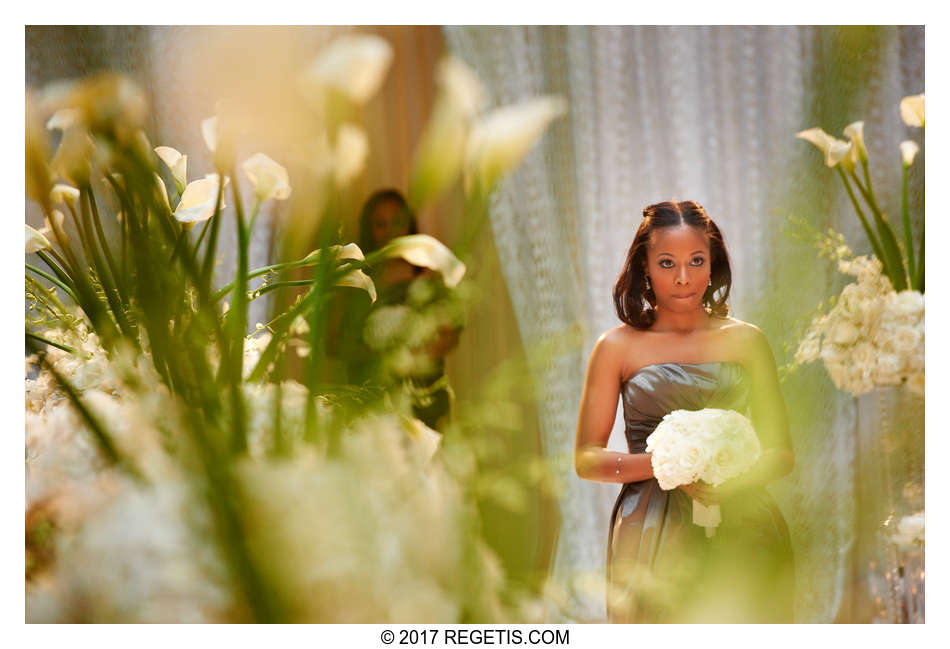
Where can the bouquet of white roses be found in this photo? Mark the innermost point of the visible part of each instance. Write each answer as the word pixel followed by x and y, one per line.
pixel 711 444
pixel 872 335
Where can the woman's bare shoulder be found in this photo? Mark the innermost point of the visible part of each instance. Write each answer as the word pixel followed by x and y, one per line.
pixel 749 340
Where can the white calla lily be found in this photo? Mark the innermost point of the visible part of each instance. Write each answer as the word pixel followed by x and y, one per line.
pixel 912 110
pixel 460 85
pixel 198 200
pixel 177 163
pixel 352 149
pixel 501 139
pixel 909 150
pixel 358 279
pixel 209 132
pixel 163 190
pixel 439 156
pixel 35 240
pixel 64 194
pixel 354 64
pixel 834 149
pixel 855 133
pixel 63 119
pixel 349 251
pixel 429 252
pixel 270 179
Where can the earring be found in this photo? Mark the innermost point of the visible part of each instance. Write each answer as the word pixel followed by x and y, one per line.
pixel 648 282
pixel 710 281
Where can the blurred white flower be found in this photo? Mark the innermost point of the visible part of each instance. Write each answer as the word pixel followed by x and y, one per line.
pixel 834 149
pixel 429 252
pixel 912 110
pixel 459 85
pixel 352 149
pixel 35 241
pixel 358 279
pixel 209 132
pixel 439 156
pixel 176 163
pixel 501 139
pixel 163 190
pixel 354 64
pixel 63 119
pixel 198 200
pixel 855 133
pixel 909 151
pixel 65 194
pixel 270 179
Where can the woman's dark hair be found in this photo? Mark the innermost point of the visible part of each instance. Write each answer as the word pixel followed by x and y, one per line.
pixel 636 305
pixel 367 242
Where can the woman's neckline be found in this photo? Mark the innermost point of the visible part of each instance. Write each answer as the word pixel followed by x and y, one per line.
pixel 645 367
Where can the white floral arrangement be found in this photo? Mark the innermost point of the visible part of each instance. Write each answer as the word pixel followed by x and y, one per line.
pixel 872 335
pixel 175 469
pixel 710 444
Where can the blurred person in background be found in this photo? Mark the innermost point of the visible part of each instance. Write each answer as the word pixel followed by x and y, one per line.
pixel 404 336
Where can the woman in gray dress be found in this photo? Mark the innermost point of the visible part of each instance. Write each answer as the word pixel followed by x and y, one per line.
pixel 679 349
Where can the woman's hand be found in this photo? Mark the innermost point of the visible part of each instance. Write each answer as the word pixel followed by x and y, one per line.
pixel 708 494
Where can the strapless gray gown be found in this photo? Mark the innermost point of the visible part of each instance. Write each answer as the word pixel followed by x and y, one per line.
pixel 660 566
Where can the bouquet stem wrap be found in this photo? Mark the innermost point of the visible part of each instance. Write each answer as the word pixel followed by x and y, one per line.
pixel 708 517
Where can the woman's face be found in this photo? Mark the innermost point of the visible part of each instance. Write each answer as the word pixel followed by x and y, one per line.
pixel 388 221
pixel 678 267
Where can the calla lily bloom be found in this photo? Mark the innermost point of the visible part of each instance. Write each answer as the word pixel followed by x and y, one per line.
pixel 909 151
pixel 358 279
pixel 72 157
pixel 355 65
pixel 429 252
pixel 438 158
pixel 460 85
pixel 352 149
pixel 163 190
pixel 349 251
pixel 36 241
pixel 270 179
pixel 63 119
pixel 833 148
pixel 65 194
pixel 855 133
pixel 501 139
pixel 209 132
pixel 198 200
pixel 176 163
pixel 912 110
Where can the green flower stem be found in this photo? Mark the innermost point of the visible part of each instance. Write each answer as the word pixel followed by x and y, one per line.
pixel 875 245
pixel 892 260
pixel 201 236
pixel 101 435
pixel 102 271
pixel 919 283
pixel 270 287
pixel 207 267
pixel 86 296
pixel 105 247
pixel 57 270
pixel 238 320
pixel 65 348
pixel 52 279
pixel 908 238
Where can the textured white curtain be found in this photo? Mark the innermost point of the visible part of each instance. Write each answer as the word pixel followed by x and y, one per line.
pixel 708 114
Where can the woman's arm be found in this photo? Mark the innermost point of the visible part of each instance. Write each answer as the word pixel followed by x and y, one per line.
pixel 769 418
pixel 592 461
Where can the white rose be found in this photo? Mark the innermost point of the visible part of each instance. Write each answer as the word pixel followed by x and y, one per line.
pixel 908 303
pixel 906 339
